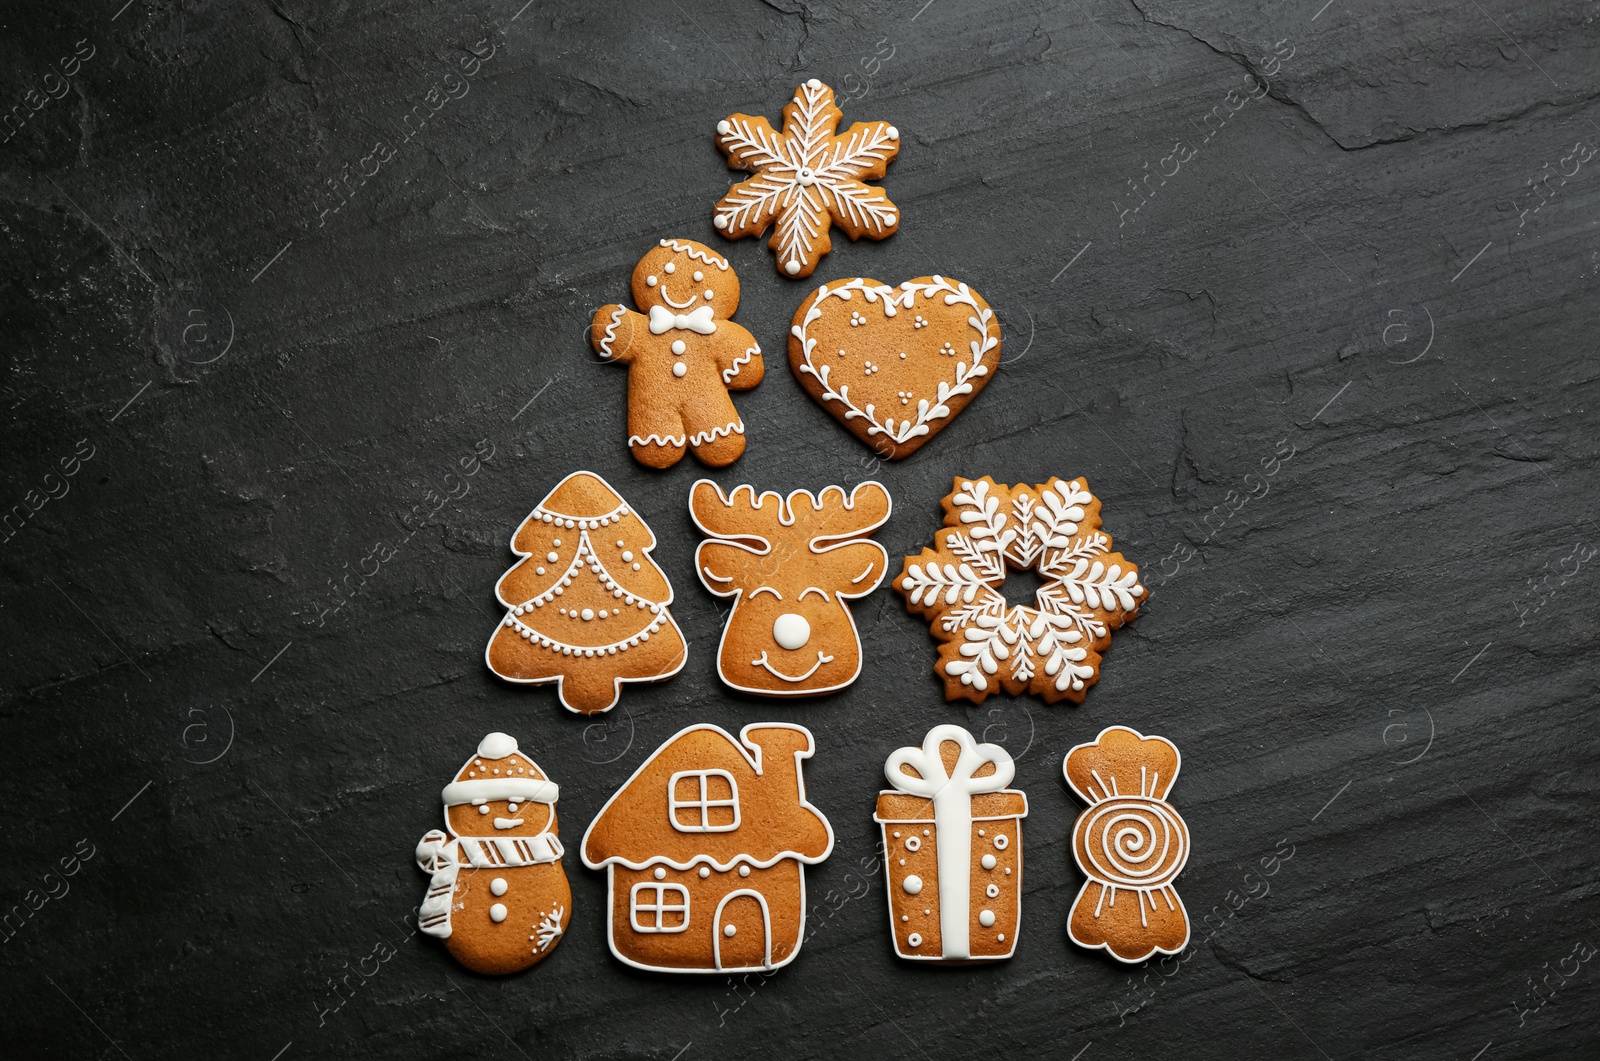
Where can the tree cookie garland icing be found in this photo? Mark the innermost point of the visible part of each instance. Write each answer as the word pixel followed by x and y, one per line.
pixel 1130 843
pixel 498 896
pixel 683 355
pixel 586 606
pixel 808 178
pixel 791 565
pixel 952 836
pixel 1051 649
pixel 705 849
pixel 894 365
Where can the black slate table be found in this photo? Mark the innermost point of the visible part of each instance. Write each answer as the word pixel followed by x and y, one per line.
pixel 273 269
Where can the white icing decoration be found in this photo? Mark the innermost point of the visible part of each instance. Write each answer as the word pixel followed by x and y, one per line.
pixel 610 337
pixel 549 928
pixel 992 890
pixel 729 930
pixel 679 369
pixel 791 631
pixel 749 576
pixel 678 347
pixel 951 793
pixel 698 439
pixel 524 789
pixel 1000 842
pixel 498 886
pixel 742 359
pixel 651 281
pixel 1041 533
pixel 806 177
pixel 982 321
pixel 913 843
pixel 670 268
pixel 698 276
pixel 915 939
pixel 986 918
pixel 699 321
pixel 988 860
pixel 660 874
pixel 497 913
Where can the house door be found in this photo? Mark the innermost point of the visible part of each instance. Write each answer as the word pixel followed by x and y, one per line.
pixel 743 930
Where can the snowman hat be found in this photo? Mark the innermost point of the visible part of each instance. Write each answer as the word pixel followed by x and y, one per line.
pixel 499 771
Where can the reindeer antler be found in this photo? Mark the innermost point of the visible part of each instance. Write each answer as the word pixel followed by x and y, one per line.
pixel 742 516
pixel 863 511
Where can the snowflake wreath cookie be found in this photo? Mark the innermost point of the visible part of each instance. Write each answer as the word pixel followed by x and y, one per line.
pixel 1051 649
pixel 808 178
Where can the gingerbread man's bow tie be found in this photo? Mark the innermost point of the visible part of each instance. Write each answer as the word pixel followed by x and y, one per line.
pixel 698 320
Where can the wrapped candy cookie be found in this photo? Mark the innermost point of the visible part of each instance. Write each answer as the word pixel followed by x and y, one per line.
pixel 952 836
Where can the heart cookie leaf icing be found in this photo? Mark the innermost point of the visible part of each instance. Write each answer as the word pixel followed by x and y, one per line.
pixel 808 178
pixel 895 365
pixel 1052 648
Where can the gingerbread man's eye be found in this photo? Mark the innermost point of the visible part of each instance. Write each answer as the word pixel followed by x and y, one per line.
pixel 709 293
pixel 698 276
pixel 670 268
pixel 650 281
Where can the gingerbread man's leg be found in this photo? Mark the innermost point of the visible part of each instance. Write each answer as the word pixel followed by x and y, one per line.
pixel 655 430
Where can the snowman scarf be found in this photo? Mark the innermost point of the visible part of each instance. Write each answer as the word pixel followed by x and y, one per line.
pixel 445 858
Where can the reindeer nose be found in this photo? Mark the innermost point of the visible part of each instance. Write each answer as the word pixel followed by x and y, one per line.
pixel 791 631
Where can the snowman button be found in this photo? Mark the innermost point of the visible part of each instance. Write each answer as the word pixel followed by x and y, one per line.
pixel 498 886
pixel 497 913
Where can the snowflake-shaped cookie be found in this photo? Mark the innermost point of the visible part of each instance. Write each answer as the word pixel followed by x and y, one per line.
pixel 807 178
pixel 1052 649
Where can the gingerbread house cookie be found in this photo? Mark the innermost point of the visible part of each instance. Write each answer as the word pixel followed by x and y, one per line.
pixel 952 836
pixel 498 896
pixel 705 850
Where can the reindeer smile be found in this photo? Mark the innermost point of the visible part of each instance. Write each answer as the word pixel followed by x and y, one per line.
pixel 762 662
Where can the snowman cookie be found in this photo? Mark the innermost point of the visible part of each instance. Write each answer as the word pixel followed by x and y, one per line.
pixel 683 355
pixel 499 897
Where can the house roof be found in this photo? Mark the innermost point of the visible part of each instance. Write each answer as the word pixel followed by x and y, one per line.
pixel 776 822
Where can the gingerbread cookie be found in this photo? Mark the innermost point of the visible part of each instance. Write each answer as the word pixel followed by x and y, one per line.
pixel 894 365
pixel 790 565
pixel 1052 649
pixel 716 884
pixel 808 178
pixel 586 605
pixel 1130 843
pixel 683 355
pixel 499 897
pixel 952 834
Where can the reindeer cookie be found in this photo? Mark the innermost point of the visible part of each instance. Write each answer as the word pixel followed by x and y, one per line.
pixel 683 355
pixel 790 565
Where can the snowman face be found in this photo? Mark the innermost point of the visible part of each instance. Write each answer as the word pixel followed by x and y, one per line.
pixel 500 817
pixel 684 280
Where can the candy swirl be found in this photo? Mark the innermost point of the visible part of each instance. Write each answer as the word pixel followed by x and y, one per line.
pixel 1132 842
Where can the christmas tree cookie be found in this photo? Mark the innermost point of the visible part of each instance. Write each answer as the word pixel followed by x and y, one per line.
pixel 586 605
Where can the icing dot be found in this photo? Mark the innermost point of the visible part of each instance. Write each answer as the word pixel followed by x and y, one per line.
pixel 547 517
pixel 698 276
pixel 925 832
pixel 1001 842
pixel 729 930
pixel 719 221
pixel 483 808
pixel 661 874
pixel 791 267
pixel 991 891
pixel 552 557
pixel 1008 871
pixel 986 918
pixel 538 570
pixel 791 631
pixel 902 861
pixel 905 917
pixel 813 83
pixel 670 268
pixel 988 862
pixel 723 127
pixel 498 886
pixel 709 293
pixel 912 884
pixel 651 281
pixel 619 543
pixel 588 613
pixel 679 346
pixel 925 913
pixel 679 369
pixel 705 871
pixel 557 541
pixel 892 133
pixel 627 555
pixel 1001 937
pixel 897 834
pixel 913 843
pixel 511 808
pixel 636 567
pixel 744 871
pixel 915 939
pixel 497 913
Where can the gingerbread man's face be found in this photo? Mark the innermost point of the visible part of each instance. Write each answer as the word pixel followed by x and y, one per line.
pixel 682 276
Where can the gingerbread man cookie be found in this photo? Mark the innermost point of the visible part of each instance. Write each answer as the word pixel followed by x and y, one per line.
pixel 498 896
pixel 808 178
pixel 683 355
pixel 790 564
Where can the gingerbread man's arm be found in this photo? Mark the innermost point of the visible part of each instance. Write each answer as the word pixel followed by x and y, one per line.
pixel 613 330
pixel 738 356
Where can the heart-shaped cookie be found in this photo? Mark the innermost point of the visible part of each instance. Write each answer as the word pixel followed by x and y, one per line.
pixel 894 364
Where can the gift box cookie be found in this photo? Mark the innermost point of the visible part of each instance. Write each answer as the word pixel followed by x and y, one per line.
pixel 952 835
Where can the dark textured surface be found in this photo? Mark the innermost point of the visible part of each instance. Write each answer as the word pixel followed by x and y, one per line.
pixel 1403 625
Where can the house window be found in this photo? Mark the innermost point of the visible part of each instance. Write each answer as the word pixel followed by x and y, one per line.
pixel 703 801
pixel 659 907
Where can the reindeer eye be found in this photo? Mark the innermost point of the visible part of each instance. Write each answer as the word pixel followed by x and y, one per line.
pixel 765 589
pixel 813 589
